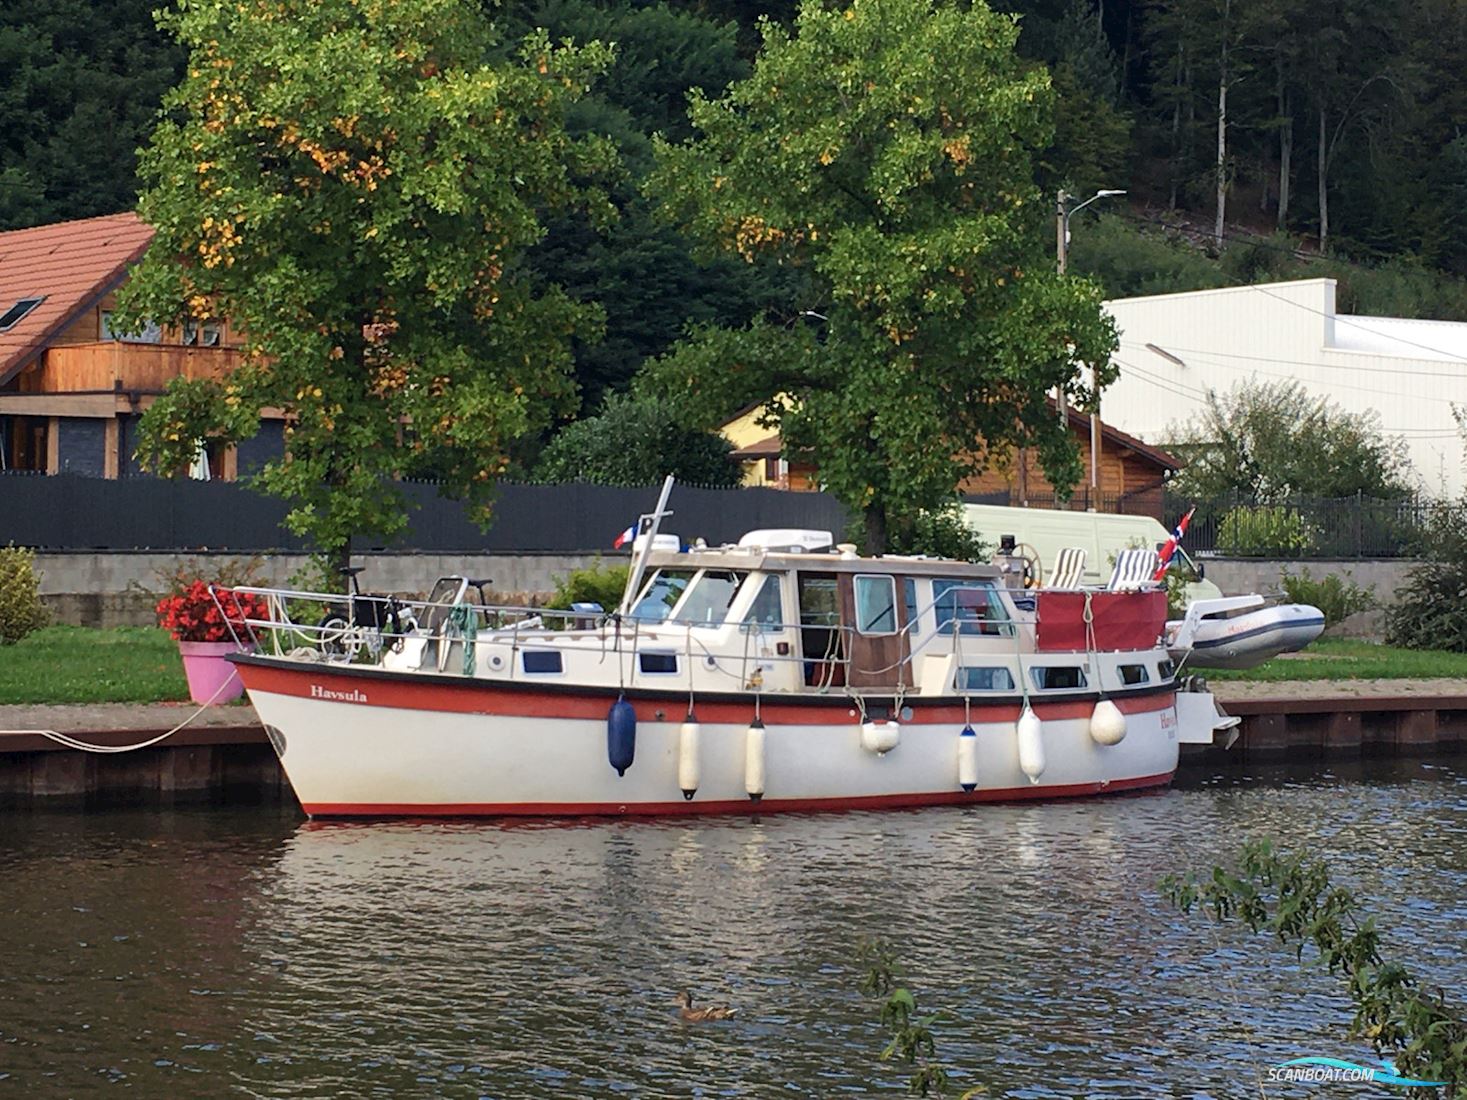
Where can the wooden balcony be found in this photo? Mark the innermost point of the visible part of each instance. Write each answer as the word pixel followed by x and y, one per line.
pixel 112 365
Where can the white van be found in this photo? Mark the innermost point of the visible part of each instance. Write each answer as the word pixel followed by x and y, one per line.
pixel 1101 534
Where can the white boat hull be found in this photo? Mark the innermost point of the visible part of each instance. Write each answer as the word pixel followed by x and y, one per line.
pixel 367 743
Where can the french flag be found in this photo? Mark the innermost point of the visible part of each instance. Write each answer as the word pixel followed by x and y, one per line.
pixel 1170 546
pixel 625 537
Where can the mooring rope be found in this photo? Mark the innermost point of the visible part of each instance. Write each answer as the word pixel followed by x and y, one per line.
pixel 86 746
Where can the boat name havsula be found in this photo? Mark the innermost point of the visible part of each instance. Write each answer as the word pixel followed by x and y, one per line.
pixel 783 672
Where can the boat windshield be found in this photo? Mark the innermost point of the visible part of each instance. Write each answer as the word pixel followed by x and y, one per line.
pixel 975 605
pixel 707 602
pixel 662 594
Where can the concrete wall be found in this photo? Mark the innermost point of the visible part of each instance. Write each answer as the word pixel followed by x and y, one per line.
pixel 116 589
pixel 1237 576
pixel 1383 578
pixel 105 588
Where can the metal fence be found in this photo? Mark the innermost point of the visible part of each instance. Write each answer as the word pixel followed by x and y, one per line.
pixel 1310 527
pixel 65 512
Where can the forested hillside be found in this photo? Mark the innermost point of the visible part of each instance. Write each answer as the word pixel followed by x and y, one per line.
pixel 1252 135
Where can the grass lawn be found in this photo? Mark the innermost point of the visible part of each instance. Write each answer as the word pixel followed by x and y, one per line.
pixel 76 664
pixel 1352 660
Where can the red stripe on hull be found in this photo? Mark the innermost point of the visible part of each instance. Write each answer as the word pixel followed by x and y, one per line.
pixel 460 696
pixel 737 806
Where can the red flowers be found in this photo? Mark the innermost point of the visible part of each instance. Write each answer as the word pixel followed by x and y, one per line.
pixel 193 616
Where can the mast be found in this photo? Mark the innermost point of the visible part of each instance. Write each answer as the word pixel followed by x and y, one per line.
pixel 647 526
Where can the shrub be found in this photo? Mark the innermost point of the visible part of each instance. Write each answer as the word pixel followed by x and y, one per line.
pixel 1338 597
pixel 21 609
pixel 1259 530
pixel 603 584
pixel 1430 611
pixel 638 440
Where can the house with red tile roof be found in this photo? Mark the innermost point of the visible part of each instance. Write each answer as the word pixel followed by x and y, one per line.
pixel 71 388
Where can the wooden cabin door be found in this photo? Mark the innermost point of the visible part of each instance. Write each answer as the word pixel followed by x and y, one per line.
pixel 874 613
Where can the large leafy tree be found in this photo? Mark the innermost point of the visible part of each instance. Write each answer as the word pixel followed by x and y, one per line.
pixel 887 150
pixel 354 185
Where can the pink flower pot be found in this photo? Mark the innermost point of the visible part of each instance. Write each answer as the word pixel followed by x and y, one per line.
pixel 211 678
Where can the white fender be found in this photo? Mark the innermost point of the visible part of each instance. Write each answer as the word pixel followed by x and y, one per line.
pixel 880 737
pixel 1107 724
pixel 968 759
pixel 689 735
pixel 1031 744
pixel 754 760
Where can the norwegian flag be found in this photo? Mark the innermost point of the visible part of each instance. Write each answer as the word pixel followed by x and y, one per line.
pixel 1169 548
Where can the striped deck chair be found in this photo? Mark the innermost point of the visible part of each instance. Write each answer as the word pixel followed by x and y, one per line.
pixel 1134 569
pixel 1069 568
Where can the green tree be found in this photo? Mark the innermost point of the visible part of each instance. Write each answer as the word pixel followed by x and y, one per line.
pixel 1266 441
pixel 80 85
pixel 886 150
pixel 638 441
pixel 354 185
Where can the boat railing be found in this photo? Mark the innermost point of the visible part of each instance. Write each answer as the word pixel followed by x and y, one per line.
pixel 287 620
pixel 335 626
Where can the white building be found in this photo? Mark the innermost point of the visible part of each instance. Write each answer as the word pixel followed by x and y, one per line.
pixel 1176 347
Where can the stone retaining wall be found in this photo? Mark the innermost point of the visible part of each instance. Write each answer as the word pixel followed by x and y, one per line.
pixel 116 589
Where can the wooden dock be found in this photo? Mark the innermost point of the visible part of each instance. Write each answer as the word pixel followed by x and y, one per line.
pixel 1340 720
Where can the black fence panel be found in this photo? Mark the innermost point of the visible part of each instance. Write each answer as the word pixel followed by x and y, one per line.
pixel 65 512
pixel 1312 527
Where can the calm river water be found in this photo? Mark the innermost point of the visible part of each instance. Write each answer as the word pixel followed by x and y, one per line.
pixel 245 952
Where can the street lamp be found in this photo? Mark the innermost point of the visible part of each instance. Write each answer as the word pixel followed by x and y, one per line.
pixel 1063 213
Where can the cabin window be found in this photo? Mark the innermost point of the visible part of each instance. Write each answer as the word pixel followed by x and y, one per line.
pixel 974 604
pixel 656 664
pixel 1165 670
pixel 542 661
pixel 17 313
pixel 707 601
pixel 767 612
pixel 875 605
pixel 1058 677
pixel 1135 674
pixel 909 597
pixel 985 678
pixel 662 594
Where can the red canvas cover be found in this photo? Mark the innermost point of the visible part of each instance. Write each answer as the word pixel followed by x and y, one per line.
pixel 1120 620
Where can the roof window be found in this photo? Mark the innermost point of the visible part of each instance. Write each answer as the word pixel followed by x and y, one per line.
pixel 16 313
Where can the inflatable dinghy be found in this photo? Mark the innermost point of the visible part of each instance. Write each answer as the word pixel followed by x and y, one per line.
pixel 1241 631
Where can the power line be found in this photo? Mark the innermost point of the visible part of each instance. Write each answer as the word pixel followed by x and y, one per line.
pixel 1355 324
pixel 1362 368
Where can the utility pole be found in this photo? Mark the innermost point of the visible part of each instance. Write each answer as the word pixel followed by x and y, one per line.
pixel 1062 256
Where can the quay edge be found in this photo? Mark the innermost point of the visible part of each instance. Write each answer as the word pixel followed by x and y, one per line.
pixel 234 762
